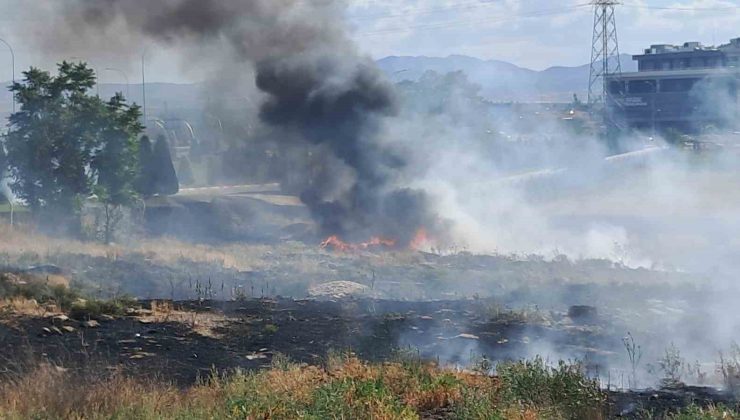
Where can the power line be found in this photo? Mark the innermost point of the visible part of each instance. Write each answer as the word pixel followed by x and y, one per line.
pixel 437 25
pixel 682 9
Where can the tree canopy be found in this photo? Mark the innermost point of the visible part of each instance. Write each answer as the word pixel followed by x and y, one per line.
pixel 163 170
pixel 451 93
pixel 157 174
pixel 65 144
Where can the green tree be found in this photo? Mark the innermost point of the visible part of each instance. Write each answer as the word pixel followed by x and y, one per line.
pixel 51 141
pixel 145 177
pixel 64 144
pixel 3 161
pixel 116 161
pixel 163 170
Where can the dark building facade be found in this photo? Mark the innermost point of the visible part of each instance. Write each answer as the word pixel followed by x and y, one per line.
pixel 687 87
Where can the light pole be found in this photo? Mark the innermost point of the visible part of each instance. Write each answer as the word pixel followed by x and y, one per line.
pixel 12 58
pixel 125 76
pixel 143 87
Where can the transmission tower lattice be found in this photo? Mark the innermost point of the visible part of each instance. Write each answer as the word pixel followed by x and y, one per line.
pixel 604 50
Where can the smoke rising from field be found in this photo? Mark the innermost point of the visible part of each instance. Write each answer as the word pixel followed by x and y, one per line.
pixel 320 95
pixel 367 166
pixel 532 183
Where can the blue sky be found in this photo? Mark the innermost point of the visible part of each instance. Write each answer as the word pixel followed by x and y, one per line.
pixel 530 33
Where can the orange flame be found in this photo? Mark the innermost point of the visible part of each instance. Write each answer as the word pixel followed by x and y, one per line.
pixel 337 244
pixel 421 240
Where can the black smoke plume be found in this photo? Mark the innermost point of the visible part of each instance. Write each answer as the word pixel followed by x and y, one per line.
pixel 320 95
pixel 341 111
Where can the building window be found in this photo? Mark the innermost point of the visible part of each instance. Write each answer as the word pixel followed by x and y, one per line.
pixel 677 85
pixel 616 88
pixel 642 86
pixel 648 66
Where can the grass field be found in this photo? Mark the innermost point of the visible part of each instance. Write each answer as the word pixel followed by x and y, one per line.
pixel 334 387
pixel 343 388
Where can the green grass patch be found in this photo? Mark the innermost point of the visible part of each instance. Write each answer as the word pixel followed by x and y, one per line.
pixel 346 388
pixel 83 309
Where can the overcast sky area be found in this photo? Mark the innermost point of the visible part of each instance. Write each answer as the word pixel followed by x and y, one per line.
pixel 530 33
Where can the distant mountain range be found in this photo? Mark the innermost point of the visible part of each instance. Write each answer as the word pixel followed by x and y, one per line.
pixel 500 80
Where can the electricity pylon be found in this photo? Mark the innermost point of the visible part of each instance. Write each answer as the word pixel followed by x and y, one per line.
pixel 604 51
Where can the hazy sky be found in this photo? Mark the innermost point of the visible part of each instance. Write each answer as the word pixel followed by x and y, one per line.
pixel 529 33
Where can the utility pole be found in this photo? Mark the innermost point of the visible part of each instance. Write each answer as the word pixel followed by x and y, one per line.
pixel 604 51
pixel 12 64
pixel 143 88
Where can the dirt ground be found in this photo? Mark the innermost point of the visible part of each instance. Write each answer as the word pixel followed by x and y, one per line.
pixel 188 339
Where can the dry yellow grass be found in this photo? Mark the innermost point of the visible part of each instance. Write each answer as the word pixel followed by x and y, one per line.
pixel 203 323
pixel 345 388
pixel 49 393
pixel 20 240
pixel 284 392
pixel 21 306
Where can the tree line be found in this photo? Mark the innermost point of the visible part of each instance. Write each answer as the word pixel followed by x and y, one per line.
pixel 66 146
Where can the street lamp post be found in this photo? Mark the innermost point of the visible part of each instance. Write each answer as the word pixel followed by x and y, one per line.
pixel 125 76
pixel 12 58
pixel 143 87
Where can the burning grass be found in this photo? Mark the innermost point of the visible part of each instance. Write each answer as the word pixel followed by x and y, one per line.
pixel 345 387
pixel 162 268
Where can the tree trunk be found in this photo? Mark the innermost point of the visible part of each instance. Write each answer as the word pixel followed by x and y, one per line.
pixel 108 228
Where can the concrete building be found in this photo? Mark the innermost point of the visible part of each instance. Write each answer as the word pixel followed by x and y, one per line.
pixel 687 87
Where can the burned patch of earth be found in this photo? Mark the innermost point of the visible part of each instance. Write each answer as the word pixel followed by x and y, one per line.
pixel 183 341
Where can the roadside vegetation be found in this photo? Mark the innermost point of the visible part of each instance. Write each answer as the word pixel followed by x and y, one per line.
pixel 344 387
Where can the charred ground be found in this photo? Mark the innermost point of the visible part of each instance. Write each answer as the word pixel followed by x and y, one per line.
pixel 220 308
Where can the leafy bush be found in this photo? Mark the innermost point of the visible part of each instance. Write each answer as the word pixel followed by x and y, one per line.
pixel 30 287
pixel 94 308
pixel 565 388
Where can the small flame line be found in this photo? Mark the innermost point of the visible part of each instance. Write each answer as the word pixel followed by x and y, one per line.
pixel 421 240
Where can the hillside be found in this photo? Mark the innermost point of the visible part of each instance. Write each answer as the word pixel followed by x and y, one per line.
pixel 500 80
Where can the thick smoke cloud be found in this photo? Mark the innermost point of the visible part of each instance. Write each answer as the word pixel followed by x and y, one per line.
pixel 322 98
pixel 543 188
